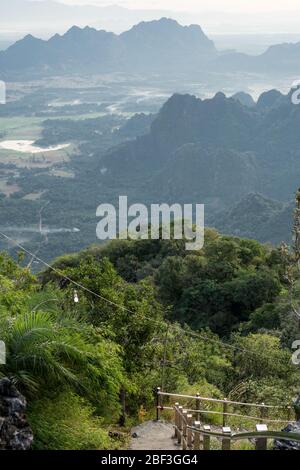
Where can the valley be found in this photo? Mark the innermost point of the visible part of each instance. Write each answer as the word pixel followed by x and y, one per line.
pixel 71 142
pixel 63 142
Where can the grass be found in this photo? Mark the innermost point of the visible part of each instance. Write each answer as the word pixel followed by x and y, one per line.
pixel 38 160
pixel 30 128
pixel 8 189
pixel 69 423
pixel 22 127
pixel 33 196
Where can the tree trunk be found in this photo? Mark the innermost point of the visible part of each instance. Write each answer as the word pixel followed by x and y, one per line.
pixel 122 419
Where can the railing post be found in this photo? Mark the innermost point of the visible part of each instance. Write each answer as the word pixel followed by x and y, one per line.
pixel 289 413
pixel 158 404
pixel 197 425
pixel 180 424
pixel 262 411
pixel 184 423
pixel 189 431
pixel 198 407
pixel 176 419
pixel 225 410
pixel 261 442
pixel 206 439
pixel 226 440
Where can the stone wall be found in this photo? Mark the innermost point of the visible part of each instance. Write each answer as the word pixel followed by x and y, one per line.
pixel 15 433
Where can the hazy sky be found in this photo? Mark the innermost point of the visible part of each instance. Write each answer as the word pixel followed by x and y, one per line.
pixel 246 6
pixel 216 17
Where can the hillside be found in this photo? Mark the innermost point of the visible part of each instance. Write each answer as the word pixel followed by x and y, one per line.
pixel 215 322
pixel 256 216
pixel 214 151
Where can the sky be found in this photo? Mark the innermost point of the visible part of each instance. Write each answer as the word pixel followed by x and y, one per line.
pixel 222 16
pixel 249 25
pixel 241 6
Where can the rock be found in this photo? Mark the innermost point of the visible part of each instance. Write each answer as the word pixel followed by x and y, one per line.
pixel 297 408
pixel 116 435
pixel 288 445
pixel 134 435
pixel 15 433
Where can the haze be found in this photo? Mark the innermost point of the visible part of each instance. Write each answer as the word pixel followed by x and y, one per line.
pixel 247 26
pixel 194 5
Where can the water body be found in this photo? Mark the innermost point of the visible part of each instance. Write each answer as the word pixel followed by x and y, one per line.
pixel 27 146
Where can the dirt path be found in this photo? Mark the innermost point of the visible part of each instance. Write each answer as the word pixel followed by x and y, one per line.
pixel 153 435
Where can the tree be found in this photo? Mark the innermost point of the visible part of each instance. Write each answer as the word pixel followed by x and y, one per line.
pixel 49 349
pixel 291 260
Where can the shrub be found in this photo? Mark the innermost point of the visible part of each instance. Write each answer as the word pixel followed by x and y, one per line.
pixel 67 423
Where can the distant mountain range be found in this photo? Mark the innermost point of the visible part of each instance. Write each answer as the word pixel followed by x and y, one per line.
pixel 153 46
pixel 159 46
pixel 275 59
pixel 242 162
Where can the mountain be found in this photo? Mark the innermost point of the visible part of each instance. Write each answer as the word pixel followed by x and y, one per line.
pixel 165 41
pixel 270 99
pixel 157 45
pixel 75 50
pixel 242 162
pixel 244 98
pixel 184 125
pixel 282 55
pixel 256 216
pixel 274 60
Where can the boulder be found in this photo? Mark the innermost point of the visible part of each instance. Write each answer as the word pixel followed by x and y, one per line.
pixel 288 445
pixel 15 433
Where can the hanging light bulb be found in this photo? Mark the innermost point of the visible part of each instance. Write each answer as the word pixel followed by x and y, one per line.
pixel 76 298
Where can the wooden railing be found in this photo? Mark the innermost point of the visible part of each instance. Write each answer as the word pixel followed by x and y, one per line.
pixel 263 409
pixel 192 434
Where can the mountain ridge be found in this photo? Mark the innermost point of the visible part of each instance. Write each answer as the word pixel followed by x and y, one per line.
pixel 216 152
pixel 161 46
pixel 158 44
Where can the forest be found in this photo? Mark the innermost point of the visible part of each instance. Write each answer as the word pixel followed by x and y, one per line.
pixel 90 338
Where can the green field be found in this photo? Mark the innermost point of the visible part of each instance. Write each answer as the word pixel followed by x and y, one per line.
pixel 22 127
pixel 30 128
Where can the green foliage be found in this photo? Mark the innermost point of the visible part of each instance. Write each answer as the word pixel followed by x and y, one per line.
pixel 265 369
pixel 41 352
pixel 263 357
pixel 216 322
pixel 215 287
pixel 67 422
pixel 266 317
pixel 50 347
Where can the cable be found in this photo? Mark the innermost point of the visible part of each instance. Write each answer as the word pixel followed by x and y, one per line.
pixel 57 271
pixel 80 286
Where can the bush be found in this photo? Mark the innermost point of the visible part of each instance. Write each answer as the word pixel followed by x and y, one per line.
pixel 67 423
pixel 267 317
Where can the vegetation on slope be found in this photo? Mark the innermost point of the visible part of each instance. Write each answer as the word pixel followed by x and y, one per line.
pixel 218 321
